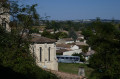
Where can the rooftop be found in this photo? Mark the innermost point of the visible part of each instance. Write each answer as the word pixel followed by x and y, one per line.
pixel 89 53
pixel 63 45
pixel 39 39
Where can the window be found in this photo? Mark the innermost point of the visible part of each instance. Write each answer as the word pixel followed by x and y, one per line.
pixel 66 57
pixel 3 23
pixel 49 54
pixel 62 57
pixel 40 54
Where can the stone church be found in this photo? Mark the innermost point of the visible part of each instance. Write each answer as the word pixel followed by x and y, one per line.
pixel 44 51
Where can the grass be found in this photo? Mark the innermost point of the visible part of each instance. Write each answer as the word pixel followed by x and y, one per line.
pixel 72 68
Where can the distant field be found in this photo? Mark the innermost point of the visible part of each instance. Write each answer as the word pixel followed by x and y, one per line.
pixel 73 68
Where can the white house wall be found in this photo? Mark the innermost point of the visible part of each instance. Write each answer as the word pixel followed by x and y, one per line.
pixel 72 52
pixel 67 42
pixel 75 47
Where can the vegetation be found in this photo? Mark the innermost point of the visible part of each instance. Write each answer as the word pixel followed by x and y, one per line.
pixel 55 35
pixel 73 35
pixel 82 59
pixel 47 34
pixel 34 30
pixel 60 35
pixel 15 56
pixel 84 49
pixel 18 58
pixel 104 38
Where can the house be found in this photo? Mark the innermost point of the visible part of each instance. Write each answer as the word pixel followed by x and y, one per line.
pixel 88 54
pixel 4 18
pixel 41 29
pixel 80 35
pixel 44 51
pixel 83 43
pixel 67 41
pixel 68 49
pixel 52 31
pixel 74 49
pixel 63 46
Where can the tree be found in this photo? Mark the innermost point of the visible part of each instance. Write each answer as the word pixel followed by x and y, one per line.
pixel 14 49
pixel 19 59
pixel 107 46
pixel 61 35
pixel 47 34
pixel 87 33
pixel 34 30
pixel 73 35
pixel 82 59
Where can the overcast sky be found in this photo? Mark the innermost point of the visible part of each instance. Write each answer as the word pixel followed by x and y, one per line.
pixel 77 9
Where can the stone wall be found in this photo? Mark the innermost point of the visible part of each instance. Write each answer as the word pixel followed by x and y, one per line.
pixel 45 63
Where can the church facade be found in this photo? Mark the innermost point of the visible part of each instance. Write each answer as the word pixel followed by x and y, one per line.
pixel 44 51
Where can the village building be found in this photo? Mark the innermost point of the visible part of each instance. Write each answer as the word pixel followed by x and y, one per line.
pixel 79 35
pixel 4 18
pixel 44 51
pixel 68 41
pixel 52 31
pixel 67 49
pixel 63 46
pixel 83 43
pixel 74 49
pixel 88 54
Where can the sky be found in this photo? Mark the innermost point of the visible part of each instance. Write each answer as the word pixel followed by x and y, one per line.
pixel 76 9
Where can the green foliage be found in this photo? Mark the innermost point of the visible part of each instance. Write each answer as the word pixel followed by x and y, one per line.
pixel 61 35
pixel 53 25
pixel 87 33
pixel 55 35
pixel 18 57
pixel 34 30
pixel 14 49
pixel 82 59
pixel 59 53
pixel 64 25
pixel 104 39
pixel 73 35
pixel 85 48
pixel 47 34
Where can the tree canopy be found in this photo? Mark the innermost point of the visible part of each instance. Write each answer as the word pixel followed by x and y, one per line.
pixel 104 38
pixel 15 56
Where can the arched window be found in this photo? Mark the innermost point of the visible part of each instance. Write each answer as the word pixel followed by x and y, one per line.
pixel 40 54
pixel 49 54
